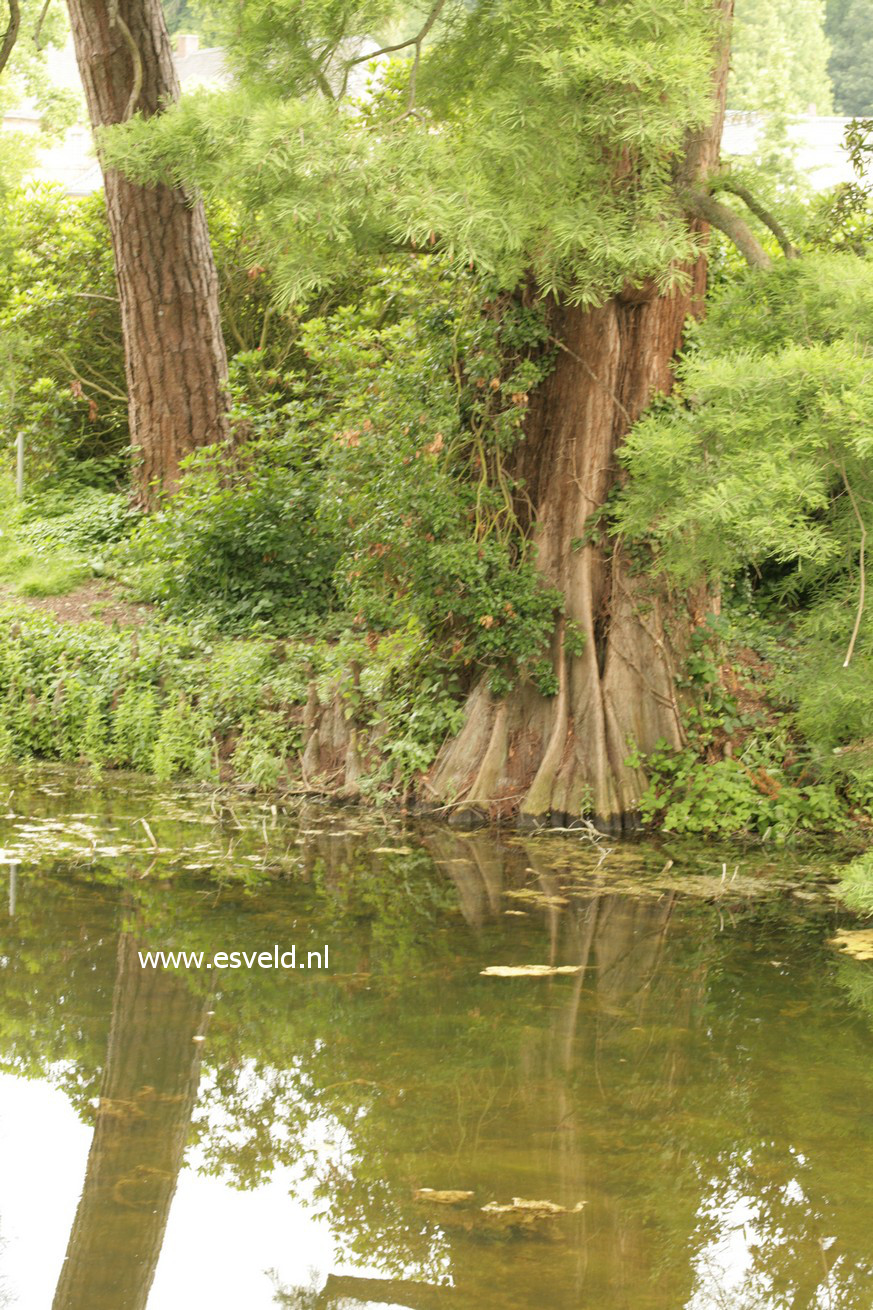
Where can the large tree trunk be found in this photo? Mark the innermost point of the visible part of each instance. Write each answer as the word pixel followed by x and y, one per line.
pixel 167 284
pixel 556 759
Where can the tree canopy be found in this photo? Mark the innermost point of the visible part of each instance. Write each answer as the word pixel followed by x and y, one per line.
pixel 779 57
pixel 850 31
pixel 531 139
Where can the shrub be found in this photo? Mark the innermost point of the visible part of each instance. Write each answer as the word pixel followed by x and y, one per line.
pixel 372 480
pixel 240 544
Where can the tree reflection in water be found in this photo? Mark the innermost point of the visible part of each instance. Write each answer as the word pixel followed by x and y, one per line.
pixel 704 1091
pixel 143 1120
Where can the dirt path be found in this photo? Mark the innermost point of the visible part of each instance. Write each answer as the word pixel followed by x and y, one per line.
pixel 93 600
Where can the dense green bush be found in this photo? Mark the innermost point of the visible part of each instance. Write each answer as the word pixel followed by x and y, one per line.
pixel 424 390
pixel 240 544
pixel 744 771
pixel 56 539
pixel 752 796
pixel 759 471
pixel 80 518
pixel 170 700
pixel 62 383
pixel 371 479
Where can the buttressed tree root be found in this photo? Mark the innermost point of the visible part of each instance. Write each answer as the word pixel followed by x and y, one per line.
pixel 553 760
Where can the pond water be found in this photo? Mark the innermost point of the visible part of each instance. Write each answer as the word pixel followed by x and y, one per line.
pixel 693 1097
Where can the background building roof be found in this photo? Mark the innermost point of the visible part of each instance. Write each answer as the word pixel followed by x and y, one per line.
pixel 72 163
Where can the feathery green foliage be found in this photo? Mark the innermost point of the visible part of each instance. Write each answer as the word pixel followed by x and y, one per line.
pixel 762 462
pixel 532 139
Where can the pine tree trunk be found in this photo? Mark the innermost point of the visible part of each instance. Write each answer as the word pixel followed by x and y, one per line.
pixel 555 759
pixel 167 283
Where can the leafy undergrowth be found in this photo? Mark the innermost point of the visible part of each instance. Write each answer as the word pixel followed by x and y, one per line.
pixel 175 701
pixel 53 542
pixel 746 770
pixel 179 698
pixel 161 700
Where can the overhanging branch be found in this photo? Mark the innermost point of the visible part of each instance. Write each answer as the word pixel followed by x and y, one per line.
pixel 403 45
pixel 10 36
pixel 416 41
pixel 769 220
pixel 704 206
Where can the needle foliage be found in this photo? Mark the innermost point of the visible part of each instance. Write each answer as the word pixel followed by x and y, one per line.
pixel 535 140
pixel 760 468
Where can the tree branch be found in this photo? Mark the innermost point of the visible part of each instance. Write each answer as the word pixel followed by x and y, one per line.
pixel 704 206
pixel 116 20
pixel 320 76
pixel 37 31
pixel 234 327
pixel 136 58
pixel 10 36
pixel 265 326
pixel 862 568
pixel 403 45
pixel 769 220
pixel 93 295
pixel 108 391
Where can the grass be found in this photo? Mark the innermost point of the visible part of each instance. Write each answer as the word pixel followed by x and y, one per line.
pixel 52 577
pixel 47 553
pixel 33 571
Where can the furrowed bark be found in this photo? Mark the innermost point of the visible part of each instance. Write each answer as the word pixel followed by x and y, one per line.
pixel 167 283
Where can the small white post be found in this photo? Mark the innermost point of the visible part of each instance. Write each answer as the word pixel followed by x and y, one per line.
pixel 13 887
pixel 19 465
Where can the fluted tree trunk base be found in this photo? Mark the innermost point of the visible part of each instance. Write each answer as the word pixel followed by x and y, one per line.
pixel 558 759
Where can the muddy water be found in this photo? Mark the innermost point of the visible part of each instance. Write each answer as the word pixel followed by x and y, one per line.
pixel 693 1097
